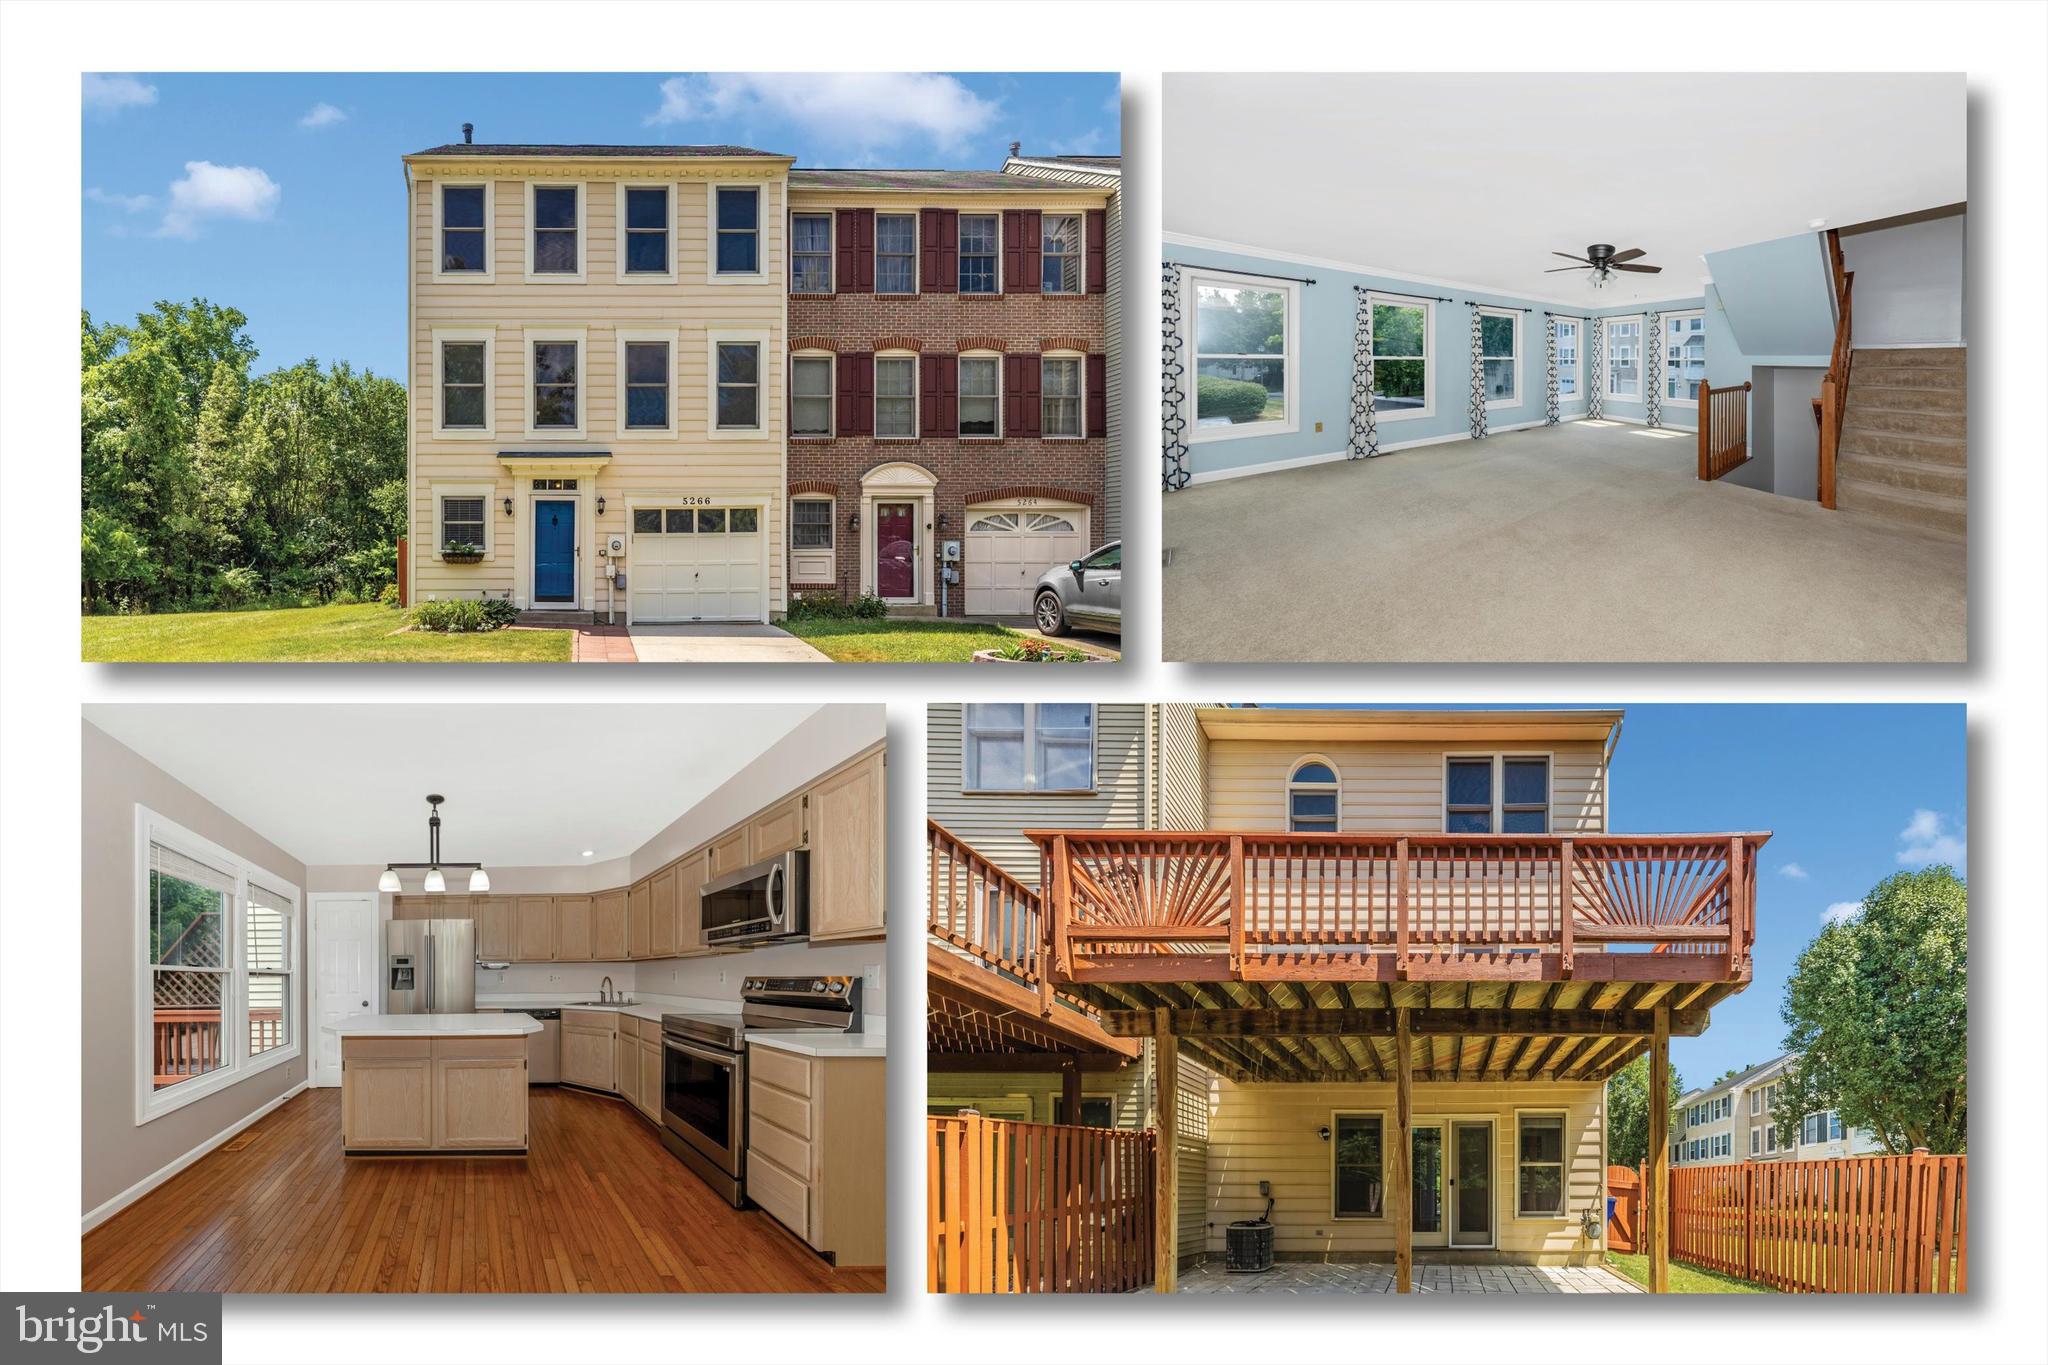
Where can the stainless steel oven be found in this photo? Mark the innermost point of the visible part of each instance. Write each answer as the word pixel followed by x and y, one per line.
pixel 766 903
pixel 704 1104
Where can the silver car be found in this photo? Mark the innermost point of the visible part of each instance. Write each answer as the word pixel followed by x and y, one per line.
pixel 1088 593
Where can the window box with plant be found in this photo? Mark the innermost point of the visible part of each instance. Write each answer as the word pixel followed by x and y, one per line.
pixel 461 552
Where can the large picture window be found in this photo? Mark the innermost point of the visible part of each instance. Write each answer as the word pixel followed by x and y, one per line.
pixel 1567 332
pixel 217 991
pixel 1244 357
pixel 1624 359
pixel 1500 337
pixel 1400 358
pixel 1539 1166
pixel 1685 357
pixel 1358 1166
pixel 1028 747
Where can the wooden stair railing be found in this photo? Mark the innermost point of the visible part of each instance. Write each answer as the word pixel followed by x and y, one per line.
pixel 1724 429
pixel 1833 402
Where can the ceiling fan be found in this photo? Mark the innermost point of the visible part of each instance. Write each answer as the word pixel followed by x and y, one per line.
pixel 1602 260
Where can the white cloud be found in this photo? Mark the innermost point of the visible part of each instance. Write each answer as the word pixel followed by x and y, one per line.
pixel 322 115
pixel 127 203
pixel 1840 911
pixel 107 95
pixel 1794 871
pixel 853 109
pixel 210 191
pixel 1927 839
pixel 1094 142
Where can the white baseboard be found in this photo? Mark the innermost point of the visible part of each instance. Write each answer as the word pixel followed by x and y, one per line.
pixel 150 1182
pixel 1386 448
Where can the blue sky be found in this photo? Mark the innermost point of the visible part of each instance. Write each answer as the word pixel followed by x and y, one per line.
pixel 282 195
pixel 1851 795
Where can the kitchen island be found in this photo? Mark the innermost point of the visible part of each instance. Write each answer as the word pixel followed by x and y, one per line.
pixel 427 1084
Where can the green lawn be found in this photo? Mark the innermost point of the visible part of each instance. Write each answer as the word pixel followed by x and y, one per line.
pixel 902 641
pixel 1685 1279
pixel 356 634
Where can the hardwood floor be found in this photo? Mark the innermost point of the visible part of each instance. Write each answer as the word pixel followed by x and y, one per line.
pixel 597 1205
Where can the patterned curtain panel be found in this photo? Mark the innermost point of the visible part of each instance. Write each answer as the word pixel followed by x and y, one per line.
pixel 1549 371
pixel 1173 421
pixel 1364 442
pixel 1594 371
pixel 1653 369
pixel 1476 409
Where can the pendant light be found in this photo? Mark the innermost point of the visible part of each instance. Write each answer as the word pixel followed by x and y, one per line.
pixel 436 883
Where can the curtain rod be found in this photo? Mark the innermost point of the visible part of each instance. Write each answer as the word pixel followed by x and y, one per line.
pixel 1500 307
pixel 1396 294
pixel 1252 274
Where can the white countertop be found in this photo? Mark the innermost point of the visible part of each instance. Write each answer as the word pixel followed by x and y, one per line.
pixel 639 1009
pixel 819 1043
pixel 434 1025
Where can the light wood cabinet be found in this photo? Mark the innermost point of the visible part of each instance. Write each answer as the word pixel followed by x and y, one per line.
pixel 412 907
pixel 494 939
pixel 533 928
pixel 572 929
pixel 816 1158
pixel 640 921
pixel 589 1044
pixel 848 868
pixel 662 913
pixel 480 1093
pixel 778 829
pixel 690 906
pixel 439 1094
pixel 650 1077
pixel 608 926
pixel 626 1063
pixel 387 1094
pixel 727 853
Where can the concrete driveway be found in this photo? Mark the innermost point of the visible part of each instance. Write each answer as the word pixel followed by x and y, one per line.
pixel 718 642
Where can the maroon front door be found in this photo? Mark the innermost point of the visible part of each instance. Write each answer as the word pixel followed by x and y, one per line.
pixel 895 537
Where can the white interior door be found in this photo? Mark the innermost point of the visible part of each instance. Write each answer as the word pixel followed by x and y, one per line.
pixel 347 949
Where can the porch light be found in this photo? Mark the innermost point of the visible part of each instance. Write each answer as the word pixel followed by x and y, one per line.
pixel 942 521
pixel 853 521
pixel 600 504
pixel 1324 1132
pixel 508 507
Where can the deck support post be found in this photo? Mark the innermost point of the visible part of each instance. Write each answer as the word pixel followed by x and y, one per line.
pixel 1657 1185
pixel 1070 1091
pixel 1399 1184
pixel 1166 1218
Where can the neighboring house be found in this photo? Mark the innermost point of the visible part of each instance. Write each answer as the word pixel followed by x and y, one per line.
pixel 949 381
pixel 1737 1120
pixel 1274 900
pixel 595 336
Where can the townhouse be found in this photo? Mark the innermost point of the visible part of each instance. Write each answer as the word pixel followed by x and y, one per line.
pixel 1737 1120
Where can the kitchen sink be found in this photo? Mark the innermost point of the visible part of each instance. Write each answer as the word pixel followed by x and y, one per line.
pixel 628 1001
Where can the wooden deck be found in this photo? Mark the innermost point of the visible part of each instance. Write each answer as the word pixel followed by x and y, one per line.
pixel 597 1206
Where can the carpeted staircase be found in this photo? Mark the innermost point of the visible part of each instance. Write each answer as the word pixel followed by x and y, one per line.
pixel 1903 453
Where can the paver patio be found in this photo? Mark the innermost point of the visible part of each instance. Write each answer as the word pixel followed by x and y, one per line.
pixel 1430 1278
pixel 604 645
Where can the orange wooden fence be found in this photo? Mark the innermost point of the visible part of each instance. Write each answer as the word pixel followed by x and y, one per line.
pixel 1625 1221
pixel 1036 1208
pixel 1850 1225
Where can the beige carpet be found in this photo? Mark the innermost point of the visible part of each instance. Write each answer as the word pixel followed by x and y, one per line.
pixel 1576 543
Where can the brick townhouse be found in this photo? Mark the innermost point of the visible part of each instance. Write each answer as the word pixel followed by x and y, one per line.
pixel 948 383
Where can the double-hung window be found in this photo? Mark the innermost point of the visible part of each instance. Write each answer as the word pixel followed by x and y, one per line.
pixel 1685 358
pixel 1059 396
pixel 1059 253
pixel 465 238
pixel 648 373
pixel 465 403
pixel 739 386
pixel 1028 747
pixel 1624 359
pixel 1357 1166
pixel 462 520
pixel 1508 793
pixel 810 389
pixel 556 384
pixel 737 210
pixel 217 996
pixel 556 234
pixel 1312 798
pixel 981 243
pixel 810 524
pixel 981 393
pixel 895 396
pixel 645 211
pixel 1403 333
pixel 1566 330
pixel 895 253
pixel 1244 345
pixel 1500 337
pixel 1756 1141
pixel 810 253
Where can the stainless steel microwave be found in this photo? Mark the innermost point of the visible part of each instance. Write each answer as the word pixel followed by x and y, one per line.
pixel 767 903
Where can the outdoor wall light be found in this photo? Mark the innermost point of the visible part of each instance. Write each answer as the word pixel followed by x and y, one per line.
pixel 1324 1132
pixel 853 521
pixel 942 521
pixel 508 507
pixel 600 504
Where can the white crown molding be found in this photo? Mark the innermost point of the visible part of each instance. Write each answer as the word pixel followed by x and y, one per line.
pixel 1405 276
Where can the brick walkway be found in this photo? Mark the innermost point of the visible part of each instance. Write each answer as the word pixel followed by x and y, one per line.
pixel 604 645
pixel 1376 1278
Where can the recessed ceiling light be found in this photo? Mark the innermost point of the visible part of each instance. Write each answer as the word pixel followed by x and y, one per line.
pixel 590 853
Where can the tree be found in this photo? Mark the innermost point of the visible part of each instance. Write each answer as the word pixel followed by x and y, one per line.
pixel 1877 1011
pixel 1628 1111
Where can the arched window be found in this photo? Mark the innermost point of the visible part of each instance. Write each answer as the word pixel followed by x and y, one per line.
pixel 1312 797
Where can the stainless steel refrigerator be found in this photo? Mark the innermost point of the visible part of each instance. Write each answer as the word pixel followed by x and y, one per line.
pixel 429 966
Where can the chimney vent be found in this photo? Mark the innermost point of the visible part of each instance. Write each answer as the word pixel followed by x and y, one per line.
pixel 467 129
pixel 1016 147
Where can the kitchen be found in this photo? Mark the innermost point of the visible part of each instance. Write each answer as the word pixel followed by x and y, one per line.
pixel 537 1019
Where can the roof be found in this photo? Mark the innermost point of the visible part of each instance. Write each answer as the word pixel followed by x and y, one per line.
pixel 1739 1078
pixel 588 150
pixel 849 178
pixel 1312 726
pixel 1092 163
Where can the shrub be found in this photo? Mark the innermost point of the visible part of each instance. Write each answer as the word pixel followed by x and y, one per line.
pixel 1030 651
pixel 499 612
pixel 387 596
pixel 1237 399
pixel 830 606
pixel 236 587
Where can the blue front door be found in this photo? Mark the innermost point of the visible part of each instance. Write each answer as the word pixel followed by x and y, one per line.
pixel 554 551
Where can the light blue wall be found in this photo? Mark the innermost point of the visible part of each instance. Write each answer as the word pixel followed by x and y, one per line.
pixel 1327 320
pixel 1778 299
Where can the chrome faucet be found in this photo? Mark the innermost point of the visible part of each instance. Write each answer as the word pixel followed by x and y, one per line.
pixel 604 990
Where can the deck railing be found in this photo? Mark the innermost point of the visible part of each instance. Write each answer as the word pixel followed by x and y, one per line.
pixel 1161 906
pixel 1036 1208
pixel 981 910
pixel 187 1042
pixel 1724 428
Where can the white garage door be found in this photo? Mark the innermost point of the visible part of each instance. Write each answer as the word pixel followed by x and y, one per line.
pixel 696 564
pixel 1009 547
